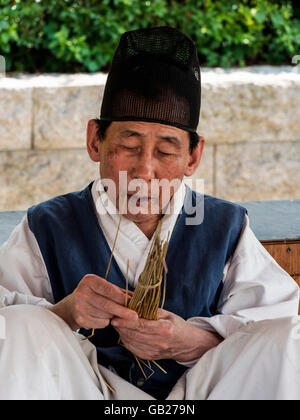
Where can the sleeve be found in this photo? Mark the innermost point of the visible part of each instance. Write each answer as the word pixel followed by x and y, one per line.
pixel 255 287
pixel 8 298
pixel 23 274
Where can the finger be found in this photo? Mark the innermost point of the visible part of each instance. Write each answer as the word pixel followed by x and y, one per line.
pixel 129 335
pixel 143 352
pixel 129 292
pixel 163 314
pixel 104 288
pixel 108 307
pixel 142 325
pixel 87 322
pixel 96 313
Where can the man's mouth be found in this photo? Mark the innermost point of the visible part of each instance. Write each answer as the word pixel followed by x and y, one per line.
pixel 141 201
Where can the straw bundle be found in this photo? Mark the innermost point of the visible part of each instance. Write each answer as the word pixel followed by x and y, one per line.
pixel 146 298
pixel 148 292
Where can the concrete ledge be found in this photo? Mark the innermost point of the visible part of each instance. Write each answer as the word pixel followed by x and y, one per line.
pixel 8 221
pixel 274 220
pixel 269 220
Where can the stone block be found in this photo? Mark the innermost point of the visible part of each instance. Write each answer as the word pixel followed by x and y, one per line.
pixel 250 105
pixel 15 118
pixel 258 171
pixel 29 177
pixel 61 115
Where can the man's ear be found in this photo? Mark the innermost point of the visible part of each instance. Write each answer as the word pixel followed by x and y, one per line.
pixel 195 157
pixel 93 143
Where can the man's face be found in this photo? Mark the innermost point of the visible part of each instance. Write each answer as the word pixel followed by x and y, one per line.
pixel 145 152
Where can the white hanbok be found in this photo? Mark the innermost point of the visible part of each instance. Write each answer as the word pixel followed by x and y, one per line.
pixel 41 358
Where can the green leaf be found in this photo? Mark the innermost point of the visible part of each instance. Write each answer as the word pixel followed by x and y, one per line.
pixel 260 16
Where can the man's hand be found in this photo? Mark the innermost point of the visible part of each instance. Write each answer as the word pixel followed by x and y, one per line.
pixel 93 304
pixel 170 337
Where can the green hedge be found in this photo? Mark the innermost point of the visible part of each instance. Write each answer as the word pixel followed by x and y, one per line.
pixel 71 36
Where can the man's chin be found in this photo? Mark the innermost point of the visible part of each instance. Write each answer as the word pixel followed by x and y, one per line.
pixel 141 217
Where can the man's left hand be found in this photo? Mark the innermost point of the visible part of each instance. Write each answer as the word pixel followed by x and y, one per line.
pixel 169 337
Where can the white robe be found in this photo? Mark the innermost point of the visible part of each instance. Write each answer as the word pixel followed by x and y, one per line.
pixel 255 288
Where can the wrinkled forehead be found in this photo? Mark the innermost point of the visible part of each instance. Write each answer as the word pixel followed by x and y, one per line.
pixel 147 129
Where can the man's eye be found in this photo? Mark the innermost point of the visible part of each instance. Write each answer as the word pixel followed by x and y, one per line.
pixel 165 154
pixel 131 149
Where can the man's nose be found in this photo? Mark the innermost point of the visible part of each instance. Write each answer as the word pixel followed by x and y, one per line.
pixel 144 167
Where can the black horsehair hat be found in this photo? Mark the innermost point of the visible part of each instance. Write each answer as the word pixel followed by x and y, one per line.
pixel 154 77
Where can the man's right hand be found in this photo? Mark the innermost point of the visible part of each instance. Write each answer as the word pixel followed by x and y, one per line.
pixel 93 304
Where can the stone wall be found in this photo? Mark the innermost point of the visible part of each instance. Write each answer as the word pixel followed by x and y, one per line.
pixel 249 118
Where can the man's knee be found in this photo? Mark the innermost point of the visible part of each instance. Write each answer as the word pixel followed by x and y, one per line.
pixel 279 331
pixel 41 358
pixel 30 323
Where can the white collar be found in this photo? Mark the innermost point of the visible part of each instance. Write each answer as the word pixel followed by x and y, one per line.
pixel 132 243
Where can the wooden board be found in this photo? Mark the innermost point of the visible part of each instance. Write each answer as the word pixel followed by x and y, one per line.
pixel 287 255
pixel 277 225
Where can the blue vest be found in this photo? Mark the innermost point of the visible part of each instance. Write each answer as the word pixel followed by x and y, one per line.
pixel 73 245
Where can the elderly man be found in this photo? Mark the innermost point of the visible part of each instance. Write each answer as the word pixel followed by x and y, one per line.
pixel 228 328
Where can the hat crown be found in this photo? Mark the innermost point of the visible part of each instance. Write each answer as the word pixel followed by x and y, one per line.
pixel 160 43
pixel 154 77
